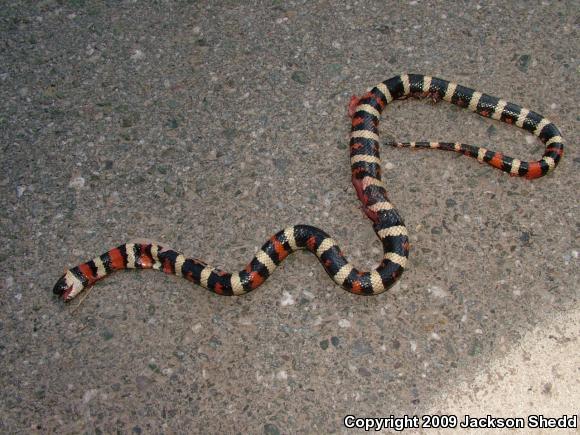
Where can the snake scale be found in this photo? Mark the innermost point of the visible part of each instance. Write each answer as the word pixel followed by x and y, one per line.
pixel 371 191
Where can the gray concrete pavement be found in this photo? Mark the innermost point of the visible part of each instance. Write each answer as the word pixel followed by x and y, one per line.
pixel 208 126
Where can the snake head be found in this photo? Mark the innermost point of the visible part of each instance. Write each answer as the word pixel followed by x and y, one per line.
pixel 68 286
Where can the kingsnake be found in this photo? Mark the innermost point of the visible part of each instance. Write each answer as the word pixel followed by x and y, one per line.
pixel 370 189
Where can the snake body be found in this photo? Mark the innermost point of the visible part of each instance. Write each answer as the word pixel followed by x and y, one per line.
pixel 371 191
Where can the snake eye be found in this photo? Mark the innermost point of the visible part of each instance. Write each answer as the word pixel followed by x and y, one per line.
pixel 60 286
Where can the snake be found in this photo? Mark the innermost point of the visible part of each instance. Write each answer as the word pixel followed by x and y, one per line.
pixel 364 112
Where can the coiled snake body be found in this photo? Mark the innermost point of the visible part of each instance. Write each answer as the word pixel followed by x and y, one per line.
pixel 366 177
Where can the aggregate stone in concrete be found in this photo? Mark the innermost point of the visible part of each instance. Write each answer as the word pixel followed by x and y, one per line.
pixel 207 127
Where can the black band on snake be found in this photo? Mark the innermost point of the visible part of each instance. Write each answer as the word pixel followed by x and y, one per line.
pixel 366 177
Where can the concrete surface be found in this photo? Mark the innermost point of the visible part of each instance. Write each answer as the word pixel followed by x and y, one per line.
pixel 208 126
pixel 539 376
